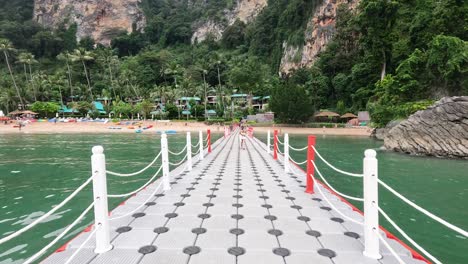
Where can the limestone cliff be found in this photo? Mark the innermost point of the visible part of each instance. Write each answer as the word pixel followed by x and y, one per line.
pixel 441 130
pixel 320 29
pixel 244 10
pixel 99 19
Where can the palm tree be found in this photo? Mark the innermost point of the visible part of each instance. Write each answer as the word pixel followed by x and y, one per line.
pixel 65 56
pixel 6 47
pixel 83 56
pixel 27 58
pixel 107 58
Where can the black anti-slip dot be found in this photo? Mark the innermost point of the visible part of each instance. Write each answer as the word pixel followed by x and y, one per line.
pixel 283 252
pixel 236 251
pixel 123 229
pixel 199 230
pixel 313 233
pixel 161 230
pixel 298 207
pixel 147 249
pixel 185 195
pixel 179 204
pixel 352 234
pixel 271 217
pixel 267 206
pixel 171 215
pixel 275 232
pixel 138 215
pixel 150 203
pixel 337 219
pixel 327 253
pixel 326 208
pixel 208 204
pixel 237 216
pixel 237 231
pixel 192 250
pixel 204 216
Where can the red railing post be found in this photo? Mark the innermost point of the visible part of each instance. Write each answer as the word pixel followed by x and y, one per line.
pixel 275 145
pixel 310 165
pixel 209 140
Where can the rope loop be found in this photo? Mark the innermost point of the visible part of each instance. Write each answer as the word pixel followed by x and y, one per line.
pixel 179 153
pixel 336 169
pixel 297 149
pixel 297 163
pixel 139 189
pixel 333 189
pixel 180 162
pixel 135 173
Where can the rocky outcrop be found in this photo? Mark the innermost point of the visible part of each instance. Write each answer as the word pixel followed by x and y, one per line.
pixel 381 133
pixel 320 29
pixel 100 19
pixel 245 10
pixel 441 130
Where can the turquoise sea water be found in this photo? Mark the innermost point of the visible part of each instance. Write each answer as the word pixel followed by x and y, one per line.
pixel 438 185
pixel 39 171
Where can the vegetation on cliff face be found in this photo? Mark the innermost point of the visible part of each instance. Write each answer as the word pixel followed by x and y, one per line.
pixel 389 57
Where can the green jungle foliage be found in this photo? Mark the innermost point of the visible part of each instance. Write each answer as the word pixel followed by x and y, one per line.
pixel 391 57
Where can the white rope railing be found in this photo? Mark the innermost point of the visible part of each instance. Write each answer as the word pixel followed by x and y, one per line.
pixel 336 169
pixel 332 206
pixel 297 163
pixel 139 189
pixel 82 244
pixel 135 173
pixel 141 205
pixel 44 249
pixel 179 153
pixel 424 211
pixel 297 149
pixel 195 146
pixel 333 189
pixel 279 141
pixel 416 245
pixel 279 151
pixel 180 162
pixel 384 241
pixel 206 146
pixel 38 220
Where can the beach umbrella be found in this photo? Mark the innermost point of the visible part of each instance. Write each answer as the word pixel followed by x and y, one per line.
pixel 4 118
pixel 16 112
pixel 348 115
pixel 29 113
pixel 327 114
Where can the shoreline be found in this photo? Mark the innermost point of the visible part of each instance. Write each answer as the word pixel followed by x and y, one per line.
pixel 101 128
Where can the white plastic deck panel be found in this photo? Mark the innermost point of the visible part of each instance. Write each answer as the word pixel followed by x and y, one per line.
pixel 235 206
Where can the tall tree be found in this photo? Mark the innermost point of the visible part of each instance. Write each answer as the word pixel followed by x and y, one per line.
pixel 83 56
pixel 27 58
pixel 65 56
pixel 6 47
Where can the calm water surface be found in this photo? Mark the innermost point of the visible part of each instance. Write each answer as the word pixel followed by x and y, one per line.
pixel 39 171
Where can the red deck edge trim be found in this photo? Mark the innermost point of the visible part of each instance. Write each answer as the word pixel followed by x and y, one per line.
pixel 88 228
pixel 389 234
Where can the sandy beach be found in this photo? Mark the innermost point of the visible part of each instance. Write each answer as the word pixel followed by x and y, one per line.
pixel 109 128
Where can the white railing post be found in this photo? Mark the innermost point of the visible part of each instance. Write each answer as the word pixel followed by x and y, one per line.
pixel 286 153
pixel 101 213
pixel 268 142
pixel 165 163
pixel 189 152
pixel 200 135
pixel 371 203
